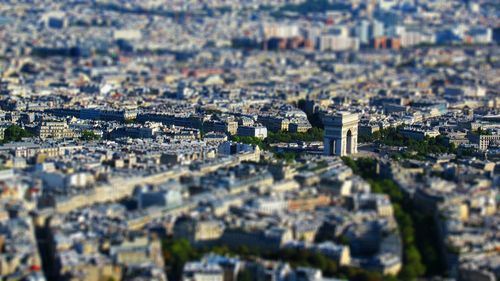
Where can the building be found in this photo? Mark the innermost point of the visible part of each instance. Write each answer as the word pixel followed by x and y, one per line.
pixel 418 133
pixel 167 196
pixel 252 131
pixel 274 123
pixel 54 129
pixel 341 134
pixel 202 271
pixel 137 252
pixel 299 127
pixel 198 232
pixel 231 148
pixel 338 43
pixel 484 141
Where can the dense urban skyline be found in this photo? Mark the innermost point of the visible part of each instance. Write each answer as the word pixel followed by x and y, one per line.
pixel 226 140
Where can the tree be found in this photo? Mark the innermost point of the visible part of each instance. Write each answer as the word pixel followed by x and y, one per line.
pixel 416 149
pixel 245 275
pixel 410 224
pixel 344 240
pixel 365 167
pixel 313 134
pixel 176 253
pixel 250 140
pixel 480 131
pixel 287 156
pixel 15 133
pixel 88 135
pixel 351 164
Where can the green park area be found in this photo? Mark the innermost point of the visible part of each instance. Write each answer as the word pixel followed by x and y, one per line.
pixel 418 232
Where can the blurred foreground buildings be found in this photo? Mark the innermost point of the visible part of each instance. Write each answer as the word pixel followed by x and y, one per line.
pixel 128 125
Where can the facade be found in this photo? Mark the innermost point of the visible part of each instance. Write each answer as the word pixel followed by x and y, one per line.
pixel 336 43
pixel 484 141
pixel 138 252
pixel 253 131
pixel 55 130
pixel 199 232
pixel 301 127
pixel 199 271
pixel 418 133
pixel 274 123
pixel 108 114
pixel 164 197
pixel 341 134
pixel 228 126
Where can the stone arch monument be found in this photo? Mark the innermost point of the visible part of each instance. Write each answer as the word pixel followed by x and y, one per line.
pixel 341 134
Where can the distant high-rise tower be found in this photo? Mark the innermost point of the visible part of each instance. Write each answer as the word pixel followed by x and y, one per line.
pixel 370 7
pixel 341 134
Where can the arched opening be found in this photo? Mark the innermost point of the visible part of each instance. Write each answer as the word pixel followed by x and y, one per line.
pixel 349 143
pixel 332 144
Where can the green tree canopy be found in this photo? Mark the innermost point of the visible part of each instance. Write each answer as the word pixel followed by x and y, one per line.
pixel 15 133
pixel 88 135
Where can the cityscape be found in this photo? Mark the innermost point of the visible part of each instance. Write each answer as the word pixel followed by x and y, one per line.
pixel 249 140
